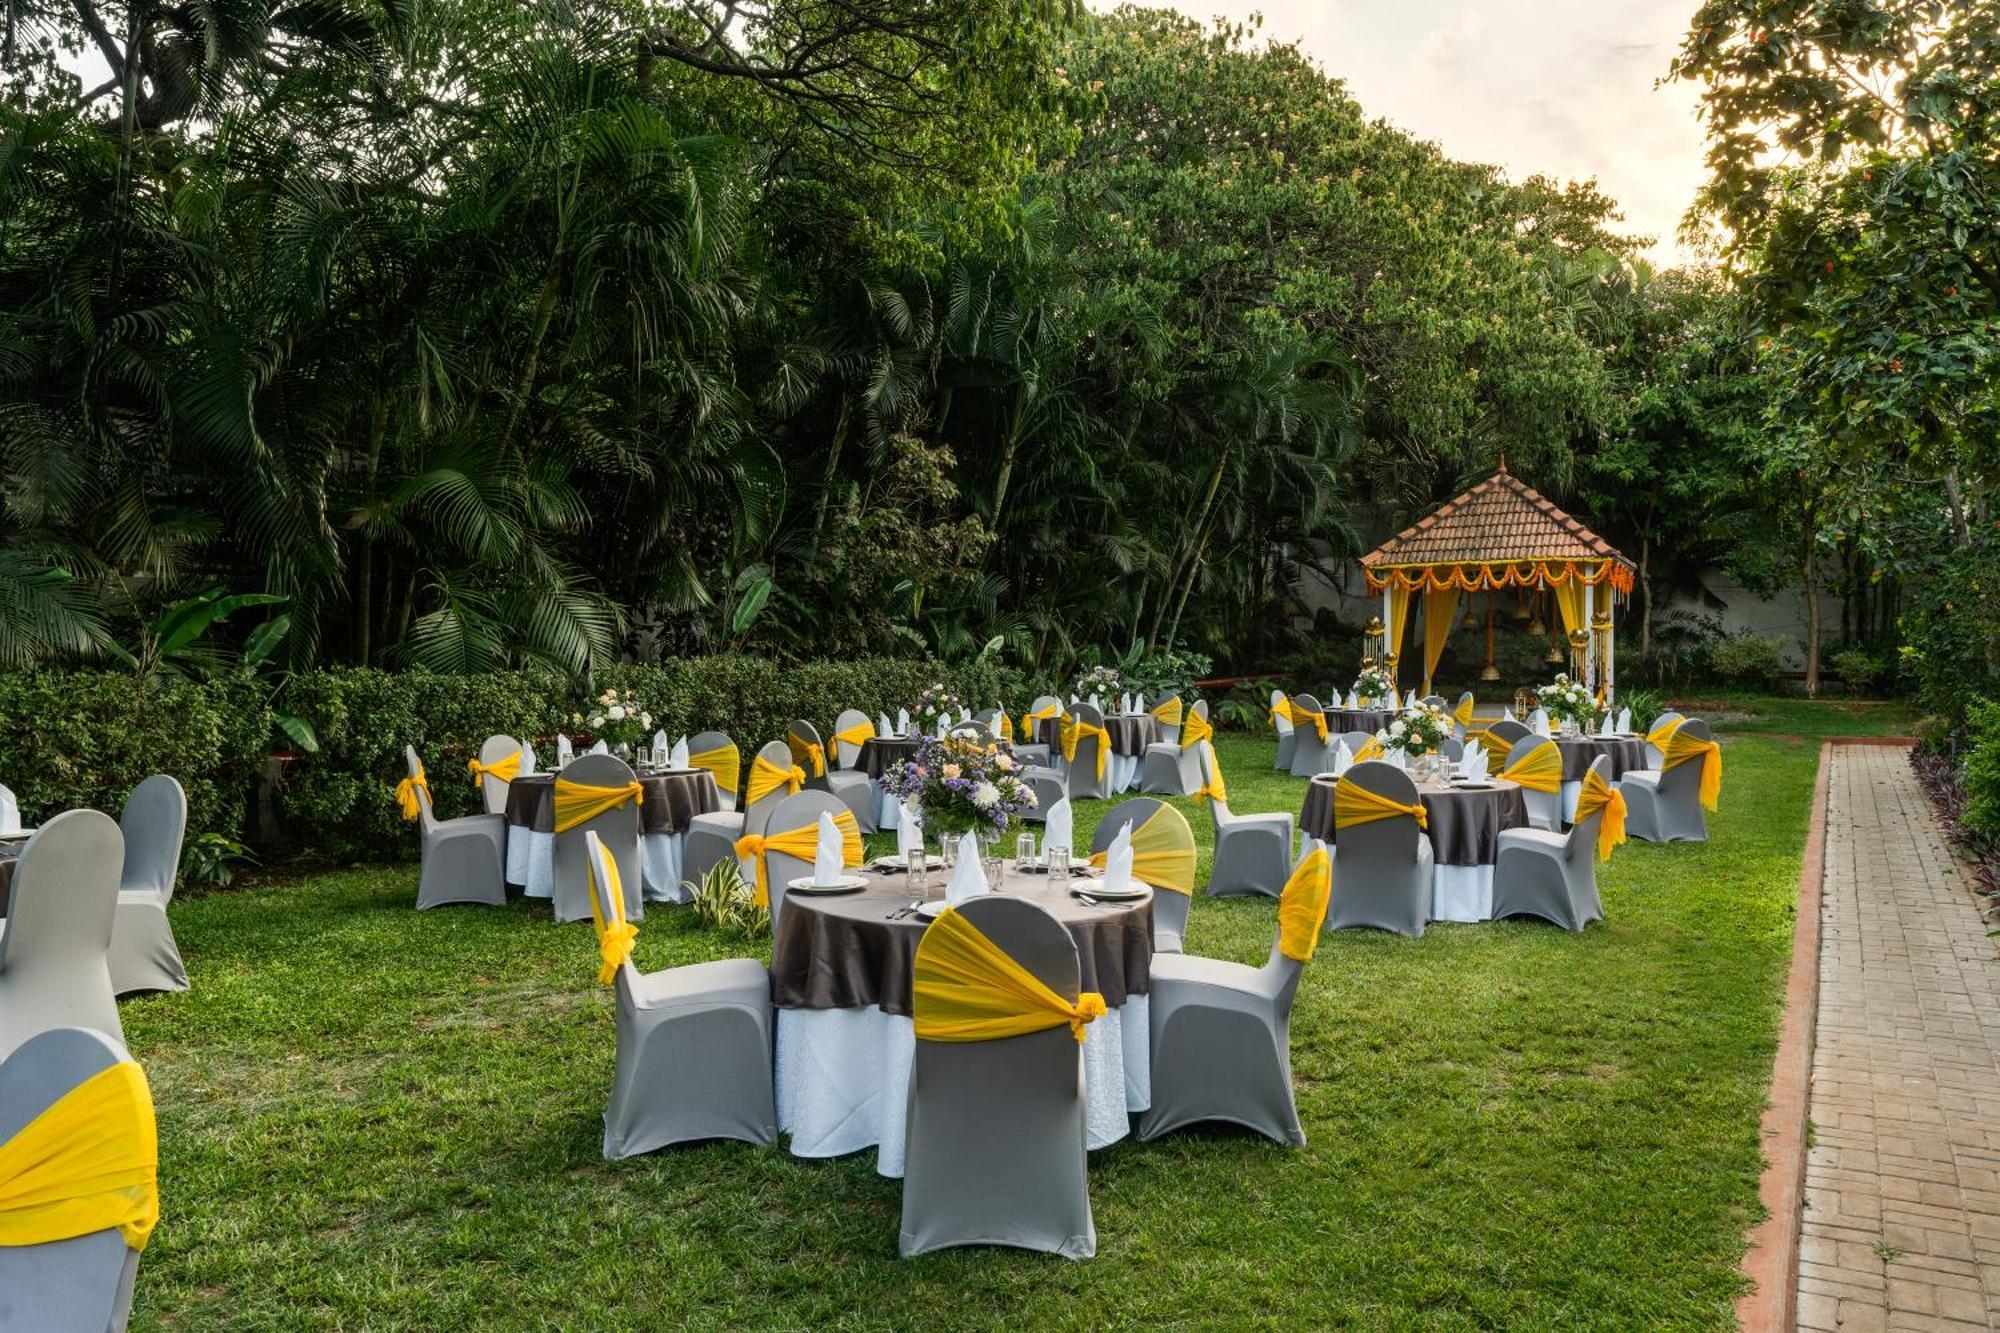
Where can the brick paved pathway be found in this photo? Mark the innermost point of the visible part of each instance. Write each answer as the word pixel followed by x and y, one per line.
pixel 1902 1220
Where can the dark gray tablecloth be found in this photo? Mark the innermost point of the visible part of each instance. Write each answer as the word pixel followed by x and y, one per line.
pixel 1130 733
pixel 672 800
pixel 879 752
pixel 1370 720
pixel 1464 825
pixel 1628 754
pixel 838 951
pixel 10 852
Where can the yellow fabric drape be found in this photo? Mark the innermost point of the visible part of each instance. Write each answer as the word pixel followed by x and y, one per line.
pixel 89 1162
pixel 1279 710
pixel 1003 728
pixel 1195 730
pixel 968 989
pixel 504 769
pixel 1498 748
pixel 801 843
pixel 616 936
pixel 1463 713
pixel 1354 804
pixel 725 763
pixel 1041 715
pixel 766 777
pixel 1073 730
pixel 1681 747
pixel 1569 603
pixel 1440 610
pixel 1537 769
pixel 1399 616
pixel 1597 794
pixel 1660 734
pixel 861 731
pixel 1302 906
pixel 808 756
pixel 1371 748
pixel 406 793
pixel 1162 851
pixel 579 803
pixel 1217 789
pixel 1168 712
pixel 1474 575
pixel 1291 712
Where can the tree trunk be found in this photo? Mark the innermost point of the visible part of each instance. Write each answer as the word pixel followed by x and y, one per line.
pixel 1956 500
pixel 827 477
pixel 1199 531
pixel 1646 594
pixel 364 604
pixel 1809 565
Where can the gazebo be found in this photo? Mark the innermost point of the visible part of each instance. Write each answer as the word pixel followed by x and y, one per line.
pixel 1501 534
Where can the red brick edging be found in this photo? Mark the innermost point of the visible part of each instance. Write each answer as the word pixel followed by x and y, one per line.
pixel 1772 1261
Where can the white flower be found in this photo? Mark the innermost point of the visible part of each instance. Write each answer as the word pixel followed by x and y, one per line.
pixel 645 719
pixel 986 796
pixel 1396 728
pixel 616 712
pixel 1026 796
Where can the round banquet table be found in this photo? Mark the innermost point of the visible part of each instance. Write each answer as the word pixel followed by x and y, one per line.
pixel 1628 754
pixel 841 976
pixel 672 799
pixel 1130 734
pixel 878 753
pixel 1465 827
pixel 1370 720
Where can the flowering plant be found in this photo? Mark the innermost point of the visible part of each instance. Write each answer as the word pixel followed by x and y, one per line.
pixel 620 719
pixel 960 786
pixel 1100 681
pixel 1568 701
pixel 1373 683
pixel 1420 730
pixel 933 704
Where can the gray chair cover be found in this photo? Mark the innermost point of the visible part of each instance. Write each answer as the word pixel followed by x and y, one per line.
pixel 1173 769
pixel 1253 853
pixel 1168 735
pixel 1049 787
pixel 1287 738
pixel 617 829
pixel 1551 875
pixel 1084 782
pixel 1027 749
pixel 1666 806
pixel 83 1284
pixel 55 946
pixel 781 868
pixel 1452 748
pixel 846 753
pixel 492 789
pixel 143 954
pixel 1653 756
pixel 711 838
pixel 1462 730
pixel 1309 752
pixel 855 790
pixel 1170 906
pixel 1382 869
pixel 1545 808
pixel 694 1047
pixel 463 860
pixel 996 1129
pixel 704 741
pixel 1510 731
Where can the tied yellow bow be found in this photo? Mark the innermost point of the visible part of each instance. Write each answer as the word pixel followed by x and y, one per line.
pixel 1597 794
pixel 1168 712
pixel 504 769
pixel 809 756
pixel 1537 769
pixel 87 1163
pixel 1355 804
pixel 1217 789
pixel 801 843
pixel 1162 851
pixel 855 735
pixel 1302 906
pixel 406 793
pixel 1681 747
pixel 1074 729
pixel 616 936
pixel 766 777
pixel 580 802
pixel 1662 733
pixel 724 763
pixel 968 989
pixel 1295 715
pixel 1195 730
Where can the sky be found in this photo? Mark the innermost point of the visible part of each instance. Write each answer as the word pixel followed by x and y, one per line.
pixel 1560 87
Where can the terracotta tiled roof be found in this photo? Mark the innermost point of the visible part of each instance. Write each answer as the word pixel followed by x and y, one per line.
pixel 1502 518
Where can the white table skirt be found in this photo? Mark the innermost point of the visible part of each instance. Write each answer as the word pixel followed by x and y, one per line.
pixel 843 1078
pixel 1571 791
pixel 531 862
pixel 1461 893
pixel 1123 771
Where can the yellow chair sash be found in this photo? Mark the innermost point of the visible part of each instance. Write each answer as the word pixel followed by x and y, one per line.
pixel 1168 712
pixel 615 937
pixel 1074 729
pixel 725 762
pixel 1162 851
pixel 1371 748
pixel 1661 734
pixel 1597 794
pixel 406 793
pixel 1195 730
pixel 766 777
pixel 1295 715
pixel 89 1162
pixel 1217 789
pixel 1003 727
pixel 1043 714
pixel 1498 748
pixel 1463 713
pixel 1681 747
pixel 504 769
pixel 1539 769
pixel 809 756
pixel 801 843
pixel 1355 804
pixel 1302 906
pixel 861 731
pixel 580 802
pixel 968 989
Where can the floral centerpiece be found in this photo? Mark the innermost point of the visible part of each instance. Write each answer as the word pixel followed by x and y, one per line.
pixel 1102 681
pixel 617 719
pixel 1419 730
pixel 932 705
pixel 960 786
pixel 1373 683
pixel 1569 702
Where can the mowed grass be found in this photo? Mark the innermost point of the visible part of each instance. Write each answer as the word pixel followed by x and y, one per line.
pixel 371 1117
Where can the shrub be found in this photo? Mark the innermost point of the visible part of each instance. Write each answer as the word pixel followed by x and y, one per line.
pixel 1861 671
pixel 1646 706
pixel 1748 661
pixel 1982 769
pixel 1247 707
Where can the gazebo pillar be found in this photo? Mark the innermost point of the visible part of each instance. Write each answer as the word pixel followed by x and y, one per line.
pixel 1590 651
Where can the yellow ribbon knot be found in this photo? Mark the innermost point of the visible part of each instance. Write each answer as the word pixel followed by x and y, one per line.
pixel 504 769
pixel 614 946
pixel 967 988
pixel 1597 794
pixel 406 794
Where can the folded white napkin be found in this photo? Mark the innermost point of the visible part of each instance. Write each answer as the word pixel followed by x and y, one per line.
pixel 1410 699
pixel 943 725
pixel 902 721
pixel 909 835
pixel 1473 767
pixel 968 877
pixel 883 726
pixel 1342 760
pixel 564 750
pixel 600 748
pixel 660 741
pixel 1056 829
pixel 1096 703
pixel 1073 699
pixel 1606 728
pixel 10 813
pixel 679 757
pixel 1625 719
pixel 1507 715
pixel 826 855
pixel 1118 862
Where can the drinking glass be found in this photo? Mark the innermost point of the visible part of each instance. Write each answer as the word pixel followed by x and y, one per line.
pixel 1024 852
pixel 916 873
pixel 1057 856
pixel 991 864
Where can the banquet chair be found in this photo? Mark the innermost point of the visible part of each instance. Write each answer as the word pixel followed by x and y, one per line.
pixel 973 732
pixel 1462 714
pixel 461 860
pixel 143 954
pixel 1656 736
pixel 1382 861
pixel 714 751
pixel 1287 737
pixel 1168 715
pixel 616 827
pixel 854 790
pixel 787 837
pixel 1500 739
pixel 1452 748
pixel 1049 787
pixel 1030 748
pixel 1554 875
pixel 711 838
pixel 10 812
pixel 1087 754
pixel 1174 768
pixel 1667 806
pixel 1221 1032
pixel 694 1042
pixel 1310 737
pixel 995 1127
pixel 1536 763
pixel 1253 853
pixel 1434 701
pixel 850 731
pixel 82 1281
pixel 1538 721
pixel 501 760
pixel 55 969
pixel 1162 857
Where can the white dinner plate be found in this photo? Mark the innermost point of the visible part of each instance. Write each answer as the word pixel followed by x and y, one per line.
pixel 13 834
pixel 1474 786
pixel 932 911
pixel 845 884
pixel 1115 895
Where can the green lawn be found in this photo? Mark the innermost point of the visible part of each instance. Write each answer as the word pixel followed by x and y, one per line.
pixel 371 1117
